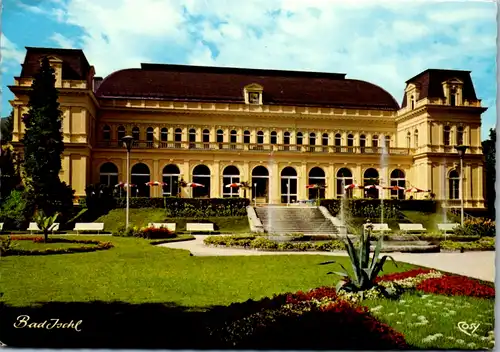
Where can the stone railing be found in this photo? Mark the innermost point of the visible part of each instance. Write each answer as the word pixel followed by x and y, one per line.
pixel 256 147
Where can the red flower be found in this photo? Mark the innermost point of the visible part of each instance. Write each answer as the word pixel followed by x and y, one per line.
pixel 403 275
pixel 453 285
pixel 317 293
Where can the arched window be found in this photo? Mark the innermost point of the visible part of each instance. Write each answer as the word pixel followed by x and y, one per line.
pixel 260 182
pixel 246 137
pixel 206 139
pixel 350 143
pixel 233 138
pixel 412 99
pixel 453 96
pixel 387 143
pixel 136 135
pixel 140 176
pixel 370 177
pixel 192 138
pixel 108 174
pixel 398 180
pixel 164 137
pixel 324 142
pixel 415 138
pixel 121 134
pixel 299 140
pixel 170 176
pixel 149 137
pixel 201 175
pixel 312 142
pixel 344 178
pixel 286 141
pixel 178 137
pixel 288 185
pixel 230 175
pixel 375 143
pixel 106 133
pixel 446 135
pixel 338 142
pixel 260 137
pixel 274 137
pixel 362 143
pixel 454 185
pixel 460 135
pixel 408 140
pixel 317 177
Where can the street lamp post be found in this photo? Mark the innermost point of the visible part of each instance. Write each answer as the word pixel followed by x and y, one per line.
pixel 127 143
pixel 461 153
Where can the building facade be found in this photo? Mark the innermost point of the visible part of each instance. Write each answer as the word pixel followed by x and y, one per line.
pixel 280 131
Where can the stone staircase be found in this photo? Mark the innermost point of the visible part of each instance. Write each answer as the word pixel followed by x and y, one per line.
pixel 306 220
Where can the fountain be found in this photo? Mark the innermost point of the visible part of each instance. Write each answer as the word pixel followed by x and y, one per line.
pixel 443 194
pixel 383 170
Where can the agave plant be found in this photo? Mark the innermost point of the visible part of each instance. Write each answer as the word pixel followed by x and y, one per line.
pixel 365 269
pixel 45 222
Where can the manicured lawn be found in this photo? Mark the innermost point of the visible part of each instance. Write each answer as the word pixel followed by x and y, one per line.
pixel 141 217
pixel 135 271
pixel 420 315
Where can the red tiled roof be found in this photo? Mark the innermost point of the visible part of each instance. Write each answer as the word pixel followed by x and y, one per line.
pixel 215 84
pixel 75 64
pixel 430 83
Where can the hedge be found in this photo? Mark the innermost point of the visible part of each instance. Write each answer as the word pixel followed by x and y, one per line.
pixel 369 208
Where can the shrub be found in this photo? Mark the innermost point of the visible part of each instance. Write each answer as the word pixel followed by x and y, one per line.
pixel 485 243
pixel 263 243
pixel 5 245
pixel 453 285
pixel 286 246
pixel 89 246
pixel 334 245
pixel 122 231
pixel 154 233
pixel 14 212
pixel 476 227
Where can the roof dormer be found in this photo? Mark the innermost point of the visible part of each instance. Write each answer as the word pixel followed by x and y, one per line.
pixel 453 92
pixel 56 64
pixel 253 94
pixel 412 92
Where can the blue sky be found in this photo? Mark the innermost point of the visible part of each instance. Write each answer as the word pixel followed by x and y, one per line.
pixel 383 42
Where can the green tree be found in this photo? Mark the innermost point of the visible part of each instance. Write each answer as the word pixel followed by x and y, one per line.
pixel 9 171
pixel 6 127
pixel 489 151
pixel 43 147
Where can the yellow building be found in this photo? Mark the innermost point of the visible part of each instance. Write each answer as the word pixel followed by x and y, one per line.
pixel 278 130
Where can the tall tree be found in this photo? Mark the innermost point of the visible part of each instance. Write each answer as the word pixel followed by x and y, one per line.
pixel 489 151
pixel 6 127
pixel 9 171
pixel 43 146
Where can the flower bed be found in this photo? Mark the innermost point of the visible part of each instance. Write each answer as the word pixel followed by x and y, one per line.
pixel 476 227
pixel 263 243
pixel 452 285
pixel 316 319
pixel 8 248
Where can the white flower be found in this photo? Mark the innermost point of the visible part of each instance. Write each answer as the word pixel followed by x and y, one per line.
pixel 450 337
pixel 421 317
pixel 425 296
pixel 484 338
pixel 398 322
pixel 377 308
pixel 390 314
pixel 471 345
pixel 414 315
pixel 451 312
pixel 460 341
pixel 402 301
pixel 401 313
pixel 438 335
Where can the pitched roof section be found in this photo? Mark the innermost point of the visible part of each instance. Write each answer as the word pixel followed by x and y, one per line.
pixel 75 64
pixel 225 85
pixel 430 83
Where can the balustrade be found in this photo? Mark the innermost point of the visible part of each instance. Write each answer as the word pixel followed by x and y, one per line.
pixel 256 147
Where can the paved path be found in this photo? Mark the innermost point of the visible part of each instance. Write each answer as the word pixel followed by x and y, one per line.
pixel 479 265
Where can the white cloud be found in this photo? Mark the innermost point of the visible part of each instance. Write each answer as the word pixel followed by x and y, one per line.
pixel 62 41
pixel 10 54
